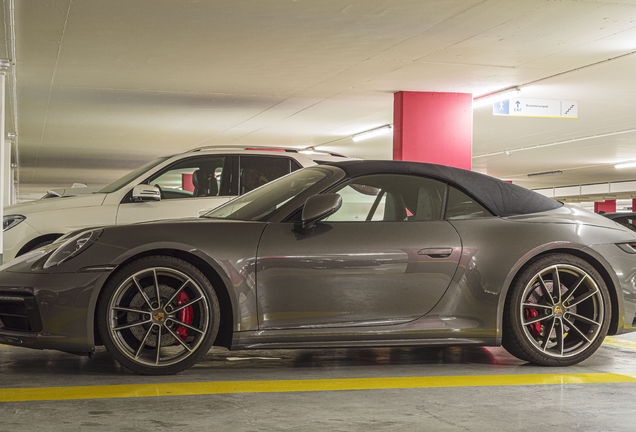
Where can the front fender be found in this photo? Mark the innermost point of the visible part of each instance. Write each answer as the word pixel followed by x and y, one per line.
pixel 227 249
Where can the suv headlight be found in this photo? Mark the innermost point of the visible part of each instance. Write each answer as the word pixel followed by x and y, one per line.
pixel 9 221
pixel 72 247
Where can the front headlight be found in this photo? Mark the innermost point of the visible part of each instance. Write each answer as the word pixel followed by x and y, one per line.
pixel 9 221
pixel 72 247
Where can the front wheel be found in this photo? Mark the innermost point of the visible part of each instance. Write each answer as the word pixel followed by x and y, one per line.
pixel 159 315
pixel 557 313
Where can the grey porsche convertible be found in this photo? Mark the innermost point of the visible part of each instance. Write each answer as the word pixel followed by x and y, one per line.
pixel 357 253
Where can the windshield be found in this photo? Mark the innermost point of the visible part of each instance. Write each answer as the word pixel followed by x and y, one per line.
pixel 261 202
pixel 118 184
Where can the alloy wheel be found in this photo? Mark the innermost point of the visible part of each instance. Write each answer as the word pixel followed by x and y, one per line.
pixel 158 316
pixel 562 310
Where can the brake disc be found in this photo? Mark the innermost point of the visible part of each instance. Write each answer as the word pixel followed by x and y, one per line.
pixel 138 302
pixel 538 294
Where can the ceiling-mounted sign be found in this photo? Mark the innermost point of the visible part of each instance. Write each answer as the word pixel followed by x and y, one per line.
pixel 525 107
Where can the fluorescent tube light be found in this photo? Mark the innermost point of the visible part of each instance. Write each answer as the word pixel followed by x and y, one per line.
pixel 546 173
pixel 495 97
pixel 372 133
pixel 625 165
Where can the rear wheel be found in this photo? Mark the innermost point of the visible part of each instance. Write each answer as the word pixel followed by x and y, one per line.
pixel 158 316
pixel 557 313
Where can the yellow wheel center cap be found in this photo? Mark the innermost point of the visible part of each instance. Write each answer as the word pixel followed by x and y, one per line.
pixel 158 316
pixel 558 310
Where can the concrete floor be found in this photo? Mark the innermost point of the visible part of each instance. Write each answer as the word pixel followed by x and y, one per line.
pixel 447 405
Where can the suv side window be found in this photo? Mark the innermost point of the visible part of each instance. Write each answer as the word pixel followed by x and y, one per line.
pixel 194 177
pixel 461 206
pixel 389 197
pixel 626 222
pixel 255 171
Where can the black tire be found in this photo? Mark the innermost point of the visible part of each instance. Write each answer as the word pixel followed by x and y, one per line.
pixel 556 327
pixel 162 337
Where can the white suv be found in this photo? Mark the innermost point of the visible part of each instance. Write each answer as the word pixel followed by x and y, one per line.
pixel 169 187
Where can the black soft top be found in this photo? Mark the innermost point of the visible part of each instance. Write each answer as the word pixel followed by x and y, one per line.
pixel 500 197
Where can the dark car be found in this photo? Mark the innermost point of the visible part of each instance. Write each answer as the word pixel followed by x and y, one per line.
pixel 625 219
pixel 359 253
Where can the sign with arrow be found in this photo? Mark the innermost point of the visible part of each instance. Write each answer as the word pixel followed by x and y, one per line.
pixel 547 108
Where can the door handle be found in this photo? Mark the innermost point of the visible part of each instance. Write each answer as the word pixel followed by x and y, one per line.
pixel 436 252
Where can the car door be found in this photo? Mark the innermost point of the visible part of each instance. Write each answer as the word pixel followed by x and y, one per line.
pixel 187 187
pixel 384 257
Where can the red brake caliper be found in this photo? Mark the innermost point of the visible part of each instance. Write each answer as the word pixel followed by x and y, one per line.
pixel 185 316
pixel 535 328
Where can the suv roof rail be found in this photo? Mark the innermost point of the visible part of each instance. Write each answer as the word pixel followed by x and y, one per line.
pixel 242 147
pixel 265 148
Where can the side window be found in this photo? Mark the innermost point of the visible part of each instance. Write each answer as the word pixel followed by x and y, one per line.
pixel 461 206
pixel 294 165
pixel 389 197
pixel 255 171
pixel 360 203
pixel 192 178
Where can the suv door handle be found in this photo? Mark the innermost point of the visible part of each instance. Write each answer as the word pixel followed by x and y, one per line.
pixel 436 252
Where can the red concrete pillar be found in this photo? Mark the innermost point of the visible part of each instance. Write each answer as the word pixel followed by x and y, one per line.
pixel 186 182
pixel 433 127
pixel 607 206
pixel 634 205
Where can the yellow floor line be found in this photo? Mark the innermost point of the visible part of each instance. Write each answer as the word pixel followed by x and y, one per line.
pixel 619 342
pixel 310 385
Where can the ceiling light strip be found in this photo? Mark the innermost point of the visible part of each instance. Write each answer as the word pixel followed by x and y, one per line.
pixel 497 96
pixel 625 165
pixel 510 151
pixel 546 173
pixel 372 133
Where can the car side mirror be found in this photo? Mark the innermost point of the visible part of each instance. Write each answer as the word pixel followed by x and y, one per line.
pixel 316 208
pixel 144 192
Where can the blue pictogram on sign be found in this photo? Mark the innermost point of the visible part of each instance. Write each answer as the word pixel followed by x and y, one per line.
pixel 501 107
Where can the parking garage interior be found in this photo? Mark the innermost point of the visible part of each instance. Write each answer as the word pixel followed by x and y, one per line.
pixel 94 90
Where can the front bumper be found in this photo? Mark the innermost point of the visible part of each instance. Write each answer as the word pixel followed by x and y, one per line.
pixel 49 310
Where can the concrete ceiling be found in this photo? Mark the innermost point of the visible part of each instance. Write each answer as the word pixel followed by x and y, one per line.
pixel 104 86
